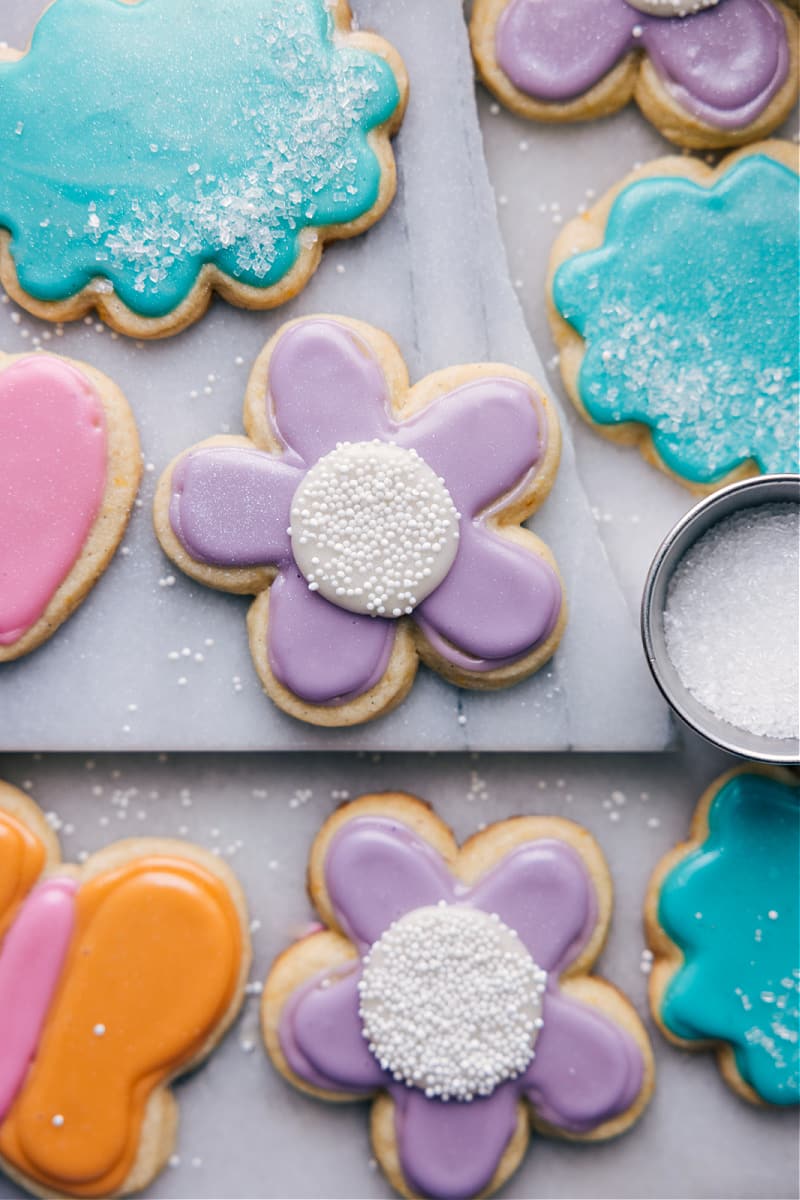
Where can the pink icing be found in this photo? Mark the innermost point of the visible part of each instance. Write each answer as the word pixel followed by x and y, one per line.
pixel 52 478
pixel 30 966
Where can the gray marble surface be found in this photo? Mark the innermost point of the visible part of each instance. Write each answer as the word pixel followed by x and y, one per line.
pixel 245 1134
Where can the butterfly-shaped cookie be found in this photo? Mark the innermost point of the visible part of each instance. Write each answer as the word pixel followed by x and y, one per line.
pixel 115 978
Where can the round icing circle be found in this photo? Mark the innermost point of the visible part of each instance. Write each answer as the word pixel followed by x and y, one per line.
pixel 451 1001
pixel 671 8
pixel 373 528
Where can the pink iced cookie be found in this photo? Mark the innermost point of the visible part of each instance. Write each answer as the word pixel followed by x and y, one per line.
pixel 69 469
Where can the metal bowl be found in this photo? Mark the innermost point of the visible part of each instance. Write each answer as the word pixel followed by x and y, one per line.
pixel 763 489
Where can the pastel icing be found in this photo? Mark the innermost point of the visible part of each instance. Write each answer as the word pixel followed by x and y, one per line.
pixel 231 507
pixel 723 64
pixel 732 908
pixel 22 859
pixel 142 142
pixel 31 959
pixel 584 1068
pixel 53 449
pixel 689 312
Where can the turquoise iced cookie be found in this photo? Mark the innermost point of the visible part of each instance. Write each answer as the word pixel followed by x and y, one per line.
pixel 724 922
pixel 685 317
pixel 152 151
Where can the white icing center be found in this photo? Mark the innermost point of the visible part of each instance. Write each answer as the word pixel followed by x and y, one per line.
pixel 451 1001
pixel 671 8
pixel 373 530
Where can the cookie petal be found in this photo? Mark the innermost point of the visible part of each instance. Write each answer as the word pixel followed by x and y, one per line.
pixel 586 1069
pixel 326 386
pixel 451 1149
pixel 323 653
pixel 322 1039
pixel 376 870
pixel 498 602
pixel 482 439
pixel 543 892
pixel 230 506
pixel 558 49
pixel 723 64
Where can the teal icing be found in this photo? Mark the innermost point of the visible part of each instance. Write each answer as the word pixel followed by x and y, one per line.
pixel 139 142
pixel 733 908
pixel 689 311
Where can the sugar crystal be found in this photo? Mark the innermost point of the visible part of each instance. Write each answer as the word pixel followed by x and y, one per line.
pixel 732 616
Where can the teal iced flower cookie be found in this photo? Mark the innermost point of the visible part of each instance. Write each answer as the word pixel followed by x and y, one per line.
pixel 152 152
pixel 723 920
pixel 675 307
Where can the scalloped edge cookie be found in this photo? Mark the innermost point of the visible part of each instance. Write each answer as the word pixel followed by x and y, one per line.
pixel 587 232
pixel 211 279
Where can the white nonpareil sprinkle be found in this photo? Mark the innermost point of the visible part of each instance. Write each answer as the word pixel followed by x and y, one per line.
pixel 373 530
pixel 672 8
pixel 732 616
pixel 451 1001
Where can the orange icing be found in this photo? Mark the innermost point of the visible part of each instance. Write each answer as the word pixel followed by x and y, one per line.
pixel 154 965
pixel 22 859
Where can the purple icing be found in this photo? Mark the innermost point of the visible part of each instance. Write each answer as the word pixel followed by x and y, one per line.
pixel 230 507
pixel 723 64
pixel 321 652
pixel 585 1069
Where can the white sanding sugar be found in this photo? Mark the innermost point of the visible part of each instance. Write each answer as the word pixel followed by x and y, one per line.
pixel 732 617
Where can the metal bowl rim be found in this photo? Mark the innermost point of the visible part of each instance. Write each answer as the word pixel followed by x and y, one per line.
pixel 791 757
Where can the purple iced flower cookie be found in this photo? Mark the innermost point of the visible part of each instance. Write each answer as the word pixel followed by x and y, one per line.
pixel 451 987
pixel 705 72
pixel 376 525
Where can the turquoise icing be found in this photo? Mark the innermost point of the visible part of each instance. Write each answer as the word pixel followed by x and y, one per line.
pixel 733 908
pixel 138 142
pixel 689 311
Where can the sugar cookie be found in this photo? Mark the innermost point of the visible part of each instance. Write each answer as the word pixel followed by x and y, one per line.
pixel 453 988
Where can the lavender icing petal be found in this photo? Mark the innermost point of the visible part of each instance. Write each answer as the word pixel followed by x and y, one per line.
pixel 376 870
pixel 321 652
pixel 542 890
pixel 723 64
pixel 585 1069
pixel 326 386
pixel 482 439
pixel 230 506
pixel 450 1151
pixel 555 50
pixel 321 1035
pixel 498 602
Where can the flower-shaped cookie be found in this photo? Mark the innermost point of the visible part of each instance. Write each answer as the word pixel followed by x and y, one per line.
pixel 376 525
pixel 674 304
pixel 704 72
pixel 451 985
pixel 723 919
pixel 155 151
